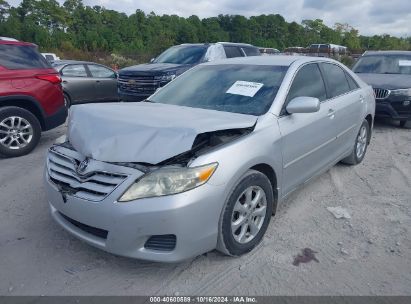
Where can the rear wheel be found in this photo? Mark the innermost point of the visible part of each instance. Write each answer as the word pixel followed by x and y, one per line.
pixel 402 123
pixel 360 145
pixel 67 101
pixel 246 215
pixel 20 131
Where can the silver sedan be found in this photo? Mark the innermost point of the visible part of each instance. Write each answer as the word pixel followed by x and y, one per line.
pixel 204 163
pixel 86 82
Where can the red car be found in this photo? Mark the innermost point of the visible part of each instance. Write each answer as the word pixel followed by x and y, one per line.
pixel 31 97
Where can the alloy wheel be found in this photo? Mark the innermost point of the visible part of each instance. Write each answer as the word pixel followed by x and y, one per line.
pixel 15 132
pixel 361 142
pixel 248 215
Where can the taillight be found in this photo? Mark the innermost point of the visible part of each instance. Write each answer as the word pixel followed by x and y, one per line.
pixel 53 78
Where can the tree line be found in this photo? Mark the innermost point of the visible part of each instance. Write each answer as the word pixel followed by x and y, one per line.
pixel 77 28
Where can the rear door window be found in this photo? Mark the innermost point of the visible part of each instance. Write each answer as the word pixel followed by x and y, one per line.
pixel 233 51
pixel 21 57
pixel 98 71
pixel 336 80
pixel 250 51
pixel 74 70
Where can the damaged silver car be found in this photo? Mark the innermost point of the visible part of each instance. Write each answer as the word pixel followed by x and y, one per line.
pixel 203 163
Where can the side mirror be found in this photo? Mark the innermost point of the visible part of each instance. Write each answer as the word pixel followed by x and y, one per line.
pixel 152 60
pixel 303 105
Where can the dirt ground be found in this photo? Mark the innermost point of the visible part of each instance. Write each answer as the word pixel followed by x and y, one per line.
pixel 369 254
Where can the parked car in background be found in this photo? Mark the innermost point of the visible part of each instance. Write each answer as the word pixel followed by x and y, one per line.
pixel 51 57
pixel 85 82
pixel 136 83
pixel 389 73
pixel 326 50
pixel 268 51
pixel 31 97
pixel 205 161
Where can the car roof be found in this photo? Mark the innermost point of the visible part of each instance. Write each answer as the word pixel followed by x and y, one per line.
pixel 370 53
pixel 65 62
pixel 8 41
pixel 279 60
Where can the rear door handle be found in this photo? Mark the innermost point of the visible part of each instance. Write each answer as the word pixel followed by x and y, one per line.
pixel 331 113
pixel 361 98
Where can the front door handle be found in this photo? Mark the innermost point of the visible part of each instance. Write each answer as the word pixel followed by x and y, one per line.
pixel 331 113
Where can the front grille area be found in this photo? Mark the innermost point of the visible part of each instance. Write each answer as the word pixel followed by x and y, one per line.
pixel 101 233
pixel 93 186
pixel 145 85
pixel 165 242
pixel 381 93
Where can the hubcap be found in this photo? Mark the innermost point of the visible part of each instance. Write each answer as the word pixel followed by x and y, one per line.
pixel 248 214
pixel 361 142
pixel 15 132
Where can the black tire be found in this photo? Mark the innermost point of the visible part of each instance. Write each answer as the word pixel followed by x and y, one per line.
pixel 67 100
pixel 227 244
pixel 5 114
pixel 403 123
pixel 354 159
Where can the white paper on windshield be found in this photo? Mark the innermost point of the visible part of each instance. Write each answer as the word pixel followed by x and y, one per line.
pixel 245 88
pixel 404 62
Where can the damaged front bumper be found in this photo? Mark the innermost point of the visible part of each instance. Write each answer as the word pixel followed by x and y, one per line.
pixel 168 229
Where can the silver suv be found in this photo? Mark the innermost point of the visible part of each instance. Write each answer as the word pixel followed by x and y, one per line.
pixel 205 161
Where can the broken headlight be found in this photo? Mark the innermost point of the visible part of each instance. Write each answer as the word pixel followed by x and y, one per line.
pixel 168 181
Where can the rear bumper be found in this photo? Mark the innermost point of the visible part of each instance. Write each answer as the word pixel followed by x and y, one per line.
pixel 55 120
pixel 387 109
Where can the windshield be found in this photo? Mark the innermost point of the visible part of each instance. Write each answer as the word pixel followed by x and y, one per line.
pixel 246 89
pixel 384 64
pixel 182 54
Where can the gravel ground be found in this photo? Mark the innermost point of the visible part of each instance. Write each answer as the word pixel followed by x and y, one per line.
pixel 369 254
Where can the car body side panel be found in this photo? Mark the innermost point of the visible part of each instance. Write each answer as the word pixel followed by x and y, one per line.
pixel 80 89
pixel 308 145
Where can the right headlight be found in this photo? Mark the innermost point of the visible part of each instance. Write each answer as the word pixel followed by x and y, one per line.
pixel 168 181
pixel 401 92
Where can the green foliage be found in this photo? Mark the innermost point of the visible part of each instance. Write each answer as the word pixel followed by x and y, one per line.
pixel 79 31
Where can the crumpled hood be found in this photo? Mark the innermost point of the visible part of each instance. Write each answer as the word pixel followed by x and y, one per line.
pixel 154 69
pixel 386 81
pixel 144 132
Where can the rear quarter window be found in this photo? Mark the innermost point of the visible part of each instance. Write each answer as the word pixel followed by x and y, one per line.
pixel 21 57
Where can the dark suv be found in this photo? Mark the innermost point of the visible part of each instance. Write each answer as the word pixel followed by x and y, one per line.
pixel 31 97
pixel 389 73
pixel 136 83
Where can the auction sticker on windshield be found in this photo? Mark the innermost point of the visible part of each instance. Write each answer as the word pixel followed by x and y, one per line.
pixel 245 88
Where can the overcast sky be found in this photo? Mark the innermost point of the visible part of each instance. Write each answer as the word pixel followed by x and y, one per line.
pixel 368 16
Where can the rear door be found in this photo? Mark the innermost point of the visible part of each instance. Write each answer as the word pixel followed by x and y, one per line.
pixel 346 102
pixel 105 81
pixel 308 138
pixel 77 83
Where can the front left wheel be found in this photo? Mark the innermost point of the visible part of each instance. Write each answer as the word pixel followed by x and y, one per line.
pixel 20 131
pixel 246 215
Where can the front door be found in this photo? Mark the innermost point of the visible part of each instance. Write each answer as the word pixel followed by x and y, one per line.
pixel 308 139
